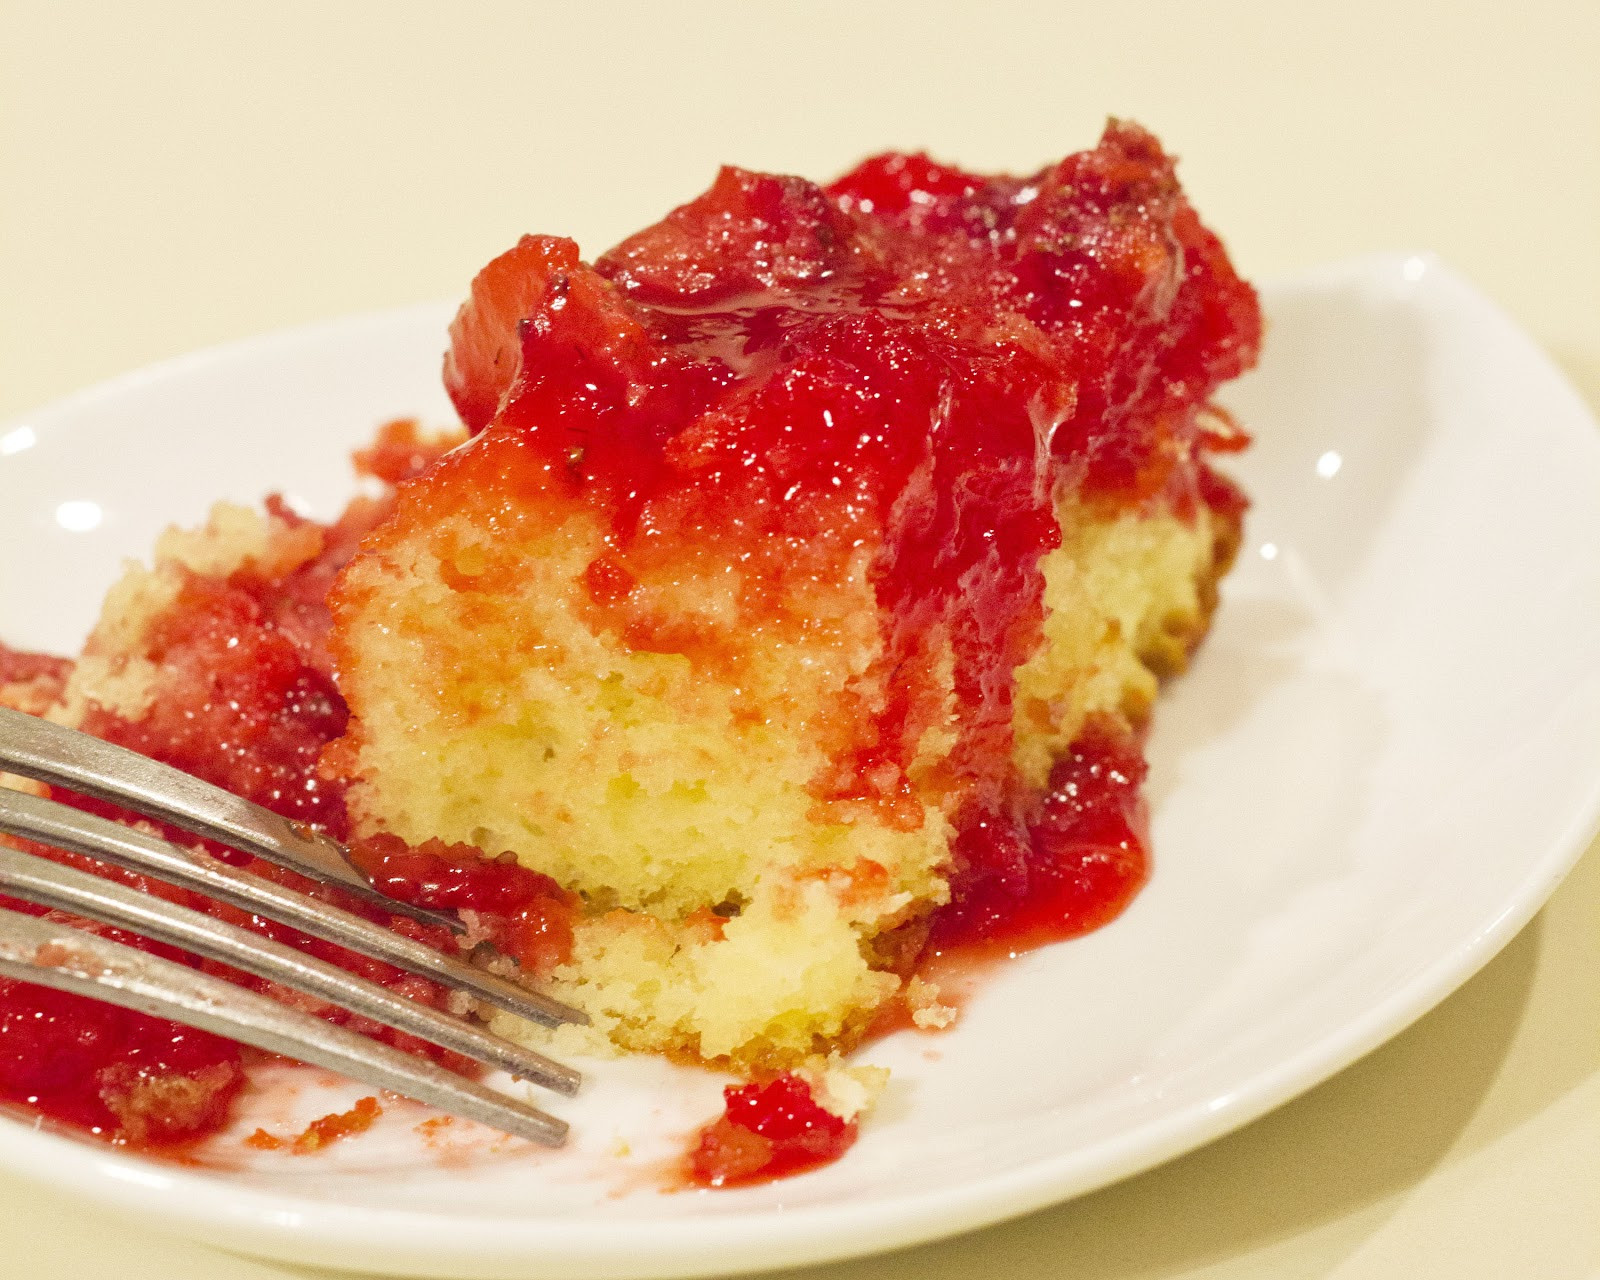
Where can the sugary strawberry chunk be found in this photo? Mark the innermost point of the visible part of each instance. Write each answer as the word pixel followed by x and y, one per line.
pixel 898 185
pixel 243 705
pixel 751 233
pixel 768 1130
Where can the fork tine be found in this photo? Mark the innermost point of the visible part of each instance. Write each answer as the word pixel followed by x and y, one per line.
pixel 67 959
pixel 62 757
pixel 63 827
pixel 50 884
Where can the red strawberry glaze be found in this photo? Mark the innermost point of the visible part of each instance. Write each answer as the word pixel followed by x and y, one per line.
pixel 1083 856
pixel 916 361
pixel 525 914
pixel 111 1072
pixel 768 1130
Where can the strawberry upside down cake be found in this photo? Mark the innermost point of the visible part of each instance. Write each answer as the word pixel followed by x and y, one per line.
pixel 789 615
pixel 806 579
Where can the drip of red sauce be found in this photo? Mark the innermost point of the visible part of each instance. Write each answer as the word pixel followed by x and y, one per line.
pixel 768 1130
pixel 1081 855
pixel 1085 856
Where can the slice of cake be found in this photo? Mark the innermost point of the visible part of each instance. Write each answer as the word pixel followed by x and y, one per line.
pixel 802 590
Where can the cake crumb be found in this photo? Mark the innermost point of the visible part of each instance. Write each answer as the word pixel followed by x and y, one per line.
pixel 928 1011
pixel 848 1092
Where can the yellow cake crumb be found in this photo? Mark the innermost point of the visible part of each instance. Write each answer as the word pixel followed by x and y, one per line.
pixel 928 1010
pixel 849 1092
pixel 234 537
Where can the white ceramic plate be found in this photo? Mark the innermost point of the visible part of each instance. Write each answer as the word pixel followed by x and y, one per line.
pixel 1381 765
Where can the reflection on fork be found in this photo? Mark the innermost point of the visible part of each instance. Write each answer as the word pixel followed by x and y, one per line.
pixel 68 959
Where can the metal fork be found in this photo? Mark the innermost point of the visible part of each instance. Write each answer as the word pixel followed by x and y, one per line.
pixel 69 959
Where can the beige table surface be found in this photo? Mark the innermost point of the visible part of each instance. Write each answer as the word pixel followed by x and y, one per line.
pixel 174 175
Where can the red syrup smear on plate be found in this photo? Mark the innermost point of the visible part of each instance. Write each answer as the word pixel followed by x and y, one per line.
pixel 322 1132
